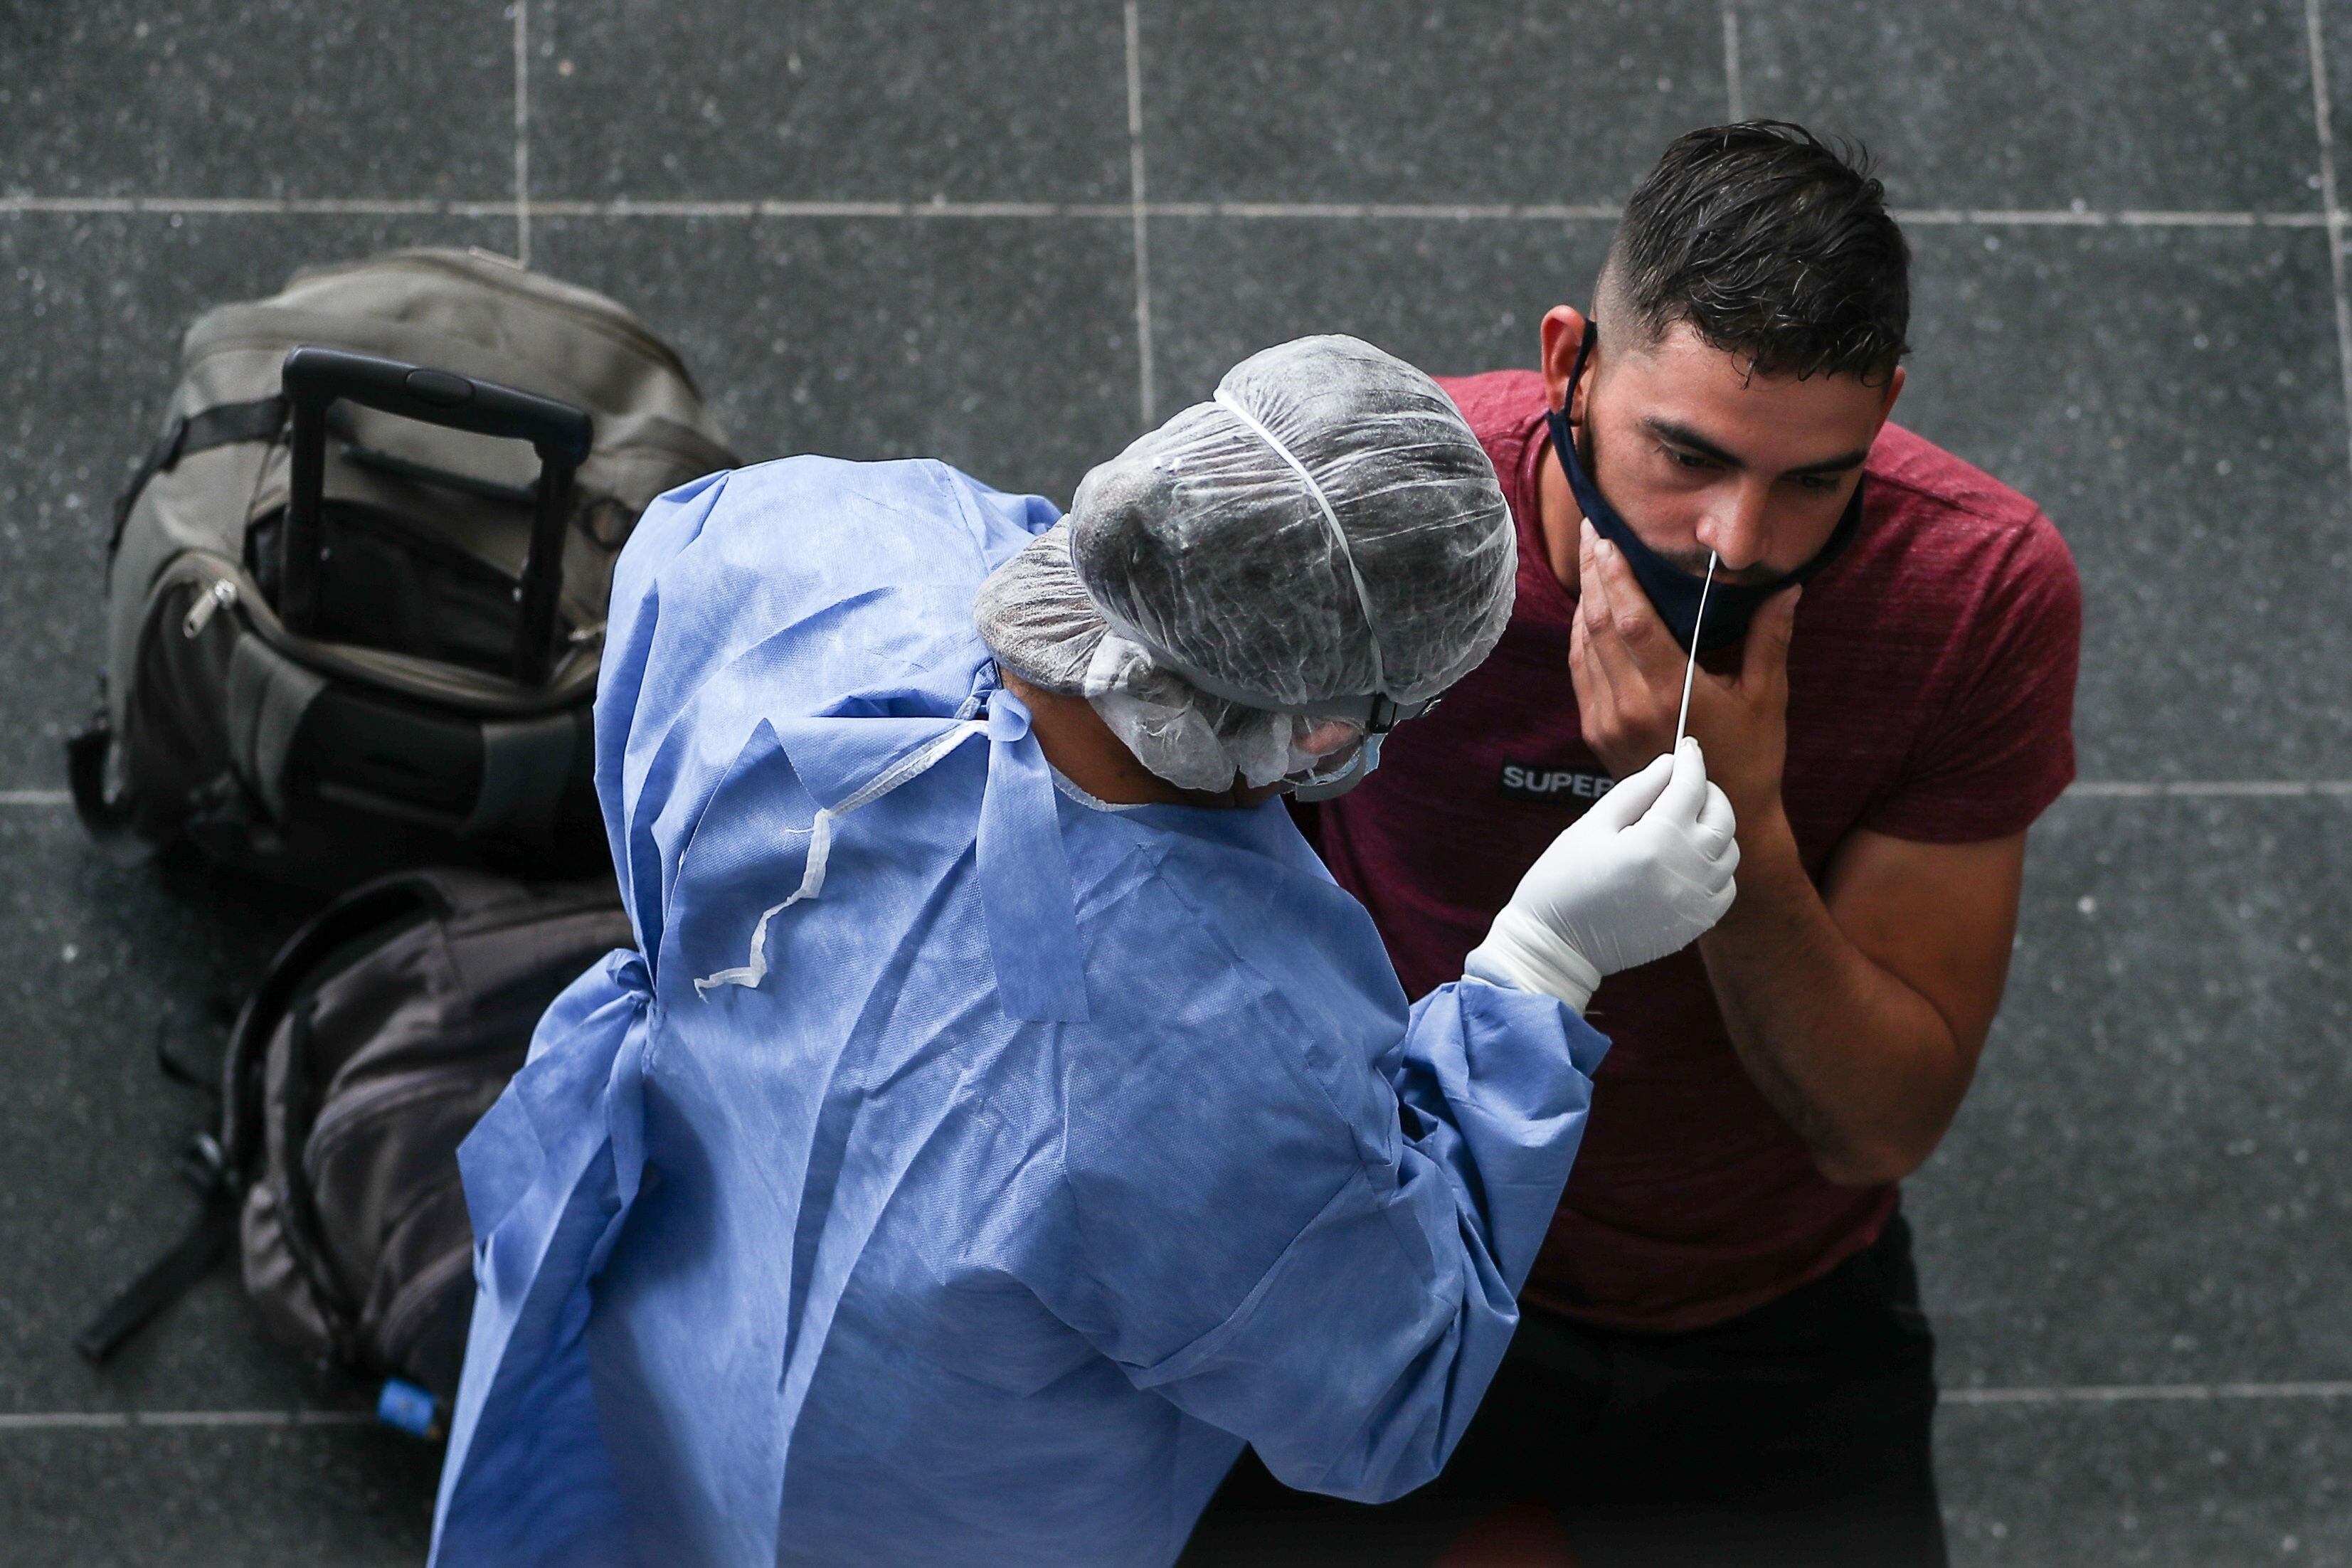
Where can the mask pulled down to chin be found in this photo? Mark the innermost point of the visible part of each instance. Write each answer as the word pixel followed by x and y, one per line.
pixel 1673 593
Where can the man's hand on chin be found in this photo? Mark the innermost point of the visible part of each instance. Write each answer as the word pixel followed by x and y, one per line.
pixel 1628 672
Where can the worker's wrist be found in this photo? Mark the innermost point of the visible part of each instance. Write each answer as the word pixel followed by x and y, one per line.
pixel 1520 954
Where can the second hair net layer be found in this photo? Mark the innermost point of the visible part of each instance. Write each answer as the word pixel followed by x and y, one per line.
pixel 1200 556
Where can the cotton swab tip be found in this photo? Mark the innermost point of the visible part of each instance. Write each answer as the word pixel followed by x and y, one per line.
pixel 1690 669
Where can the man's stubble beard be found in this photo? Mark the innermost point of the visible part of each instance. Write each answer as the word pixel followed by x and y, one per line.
pixel 1695 562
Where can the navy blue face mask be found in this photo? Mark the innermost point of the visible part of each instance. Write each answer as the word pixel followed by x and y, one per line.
pixel 1672 592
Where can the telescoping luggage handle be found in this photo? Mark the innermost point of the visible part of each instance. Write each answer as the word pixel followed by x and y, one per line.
pixel 315 378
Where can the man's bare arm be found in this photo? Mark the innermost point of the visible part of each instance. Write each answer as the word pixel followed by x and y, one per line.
pixel 1860 1015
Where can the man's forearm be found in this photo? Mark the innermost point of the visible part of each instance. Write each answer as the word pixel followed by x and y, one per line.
pixel 1860 1065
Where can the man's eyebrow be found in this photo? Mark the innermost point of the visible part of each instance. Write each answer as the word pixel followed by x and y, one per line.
pixel 1839 464
pixel 1685 437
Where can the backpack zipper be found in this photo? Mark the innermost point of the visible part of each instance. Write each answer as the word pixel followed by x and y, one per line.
pixel 209 603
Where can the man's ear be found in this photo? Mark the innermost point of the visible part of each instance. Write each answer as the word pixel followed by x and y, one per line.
pixel 1893 391
pixel 1563 335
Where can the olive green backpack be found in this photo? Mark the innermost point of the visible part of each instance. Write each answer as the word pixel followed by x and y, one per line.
pixel 356 595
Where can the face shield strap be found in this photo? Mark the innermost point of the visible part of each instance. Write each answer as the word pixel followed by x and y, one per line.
pixel 1387 713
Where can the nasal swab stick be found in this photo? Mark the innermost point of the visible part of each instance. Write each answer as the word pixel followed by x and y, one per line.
pixel 1682 720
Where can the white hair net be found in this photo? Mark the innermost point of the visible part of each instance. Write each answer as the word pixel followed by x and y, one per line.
pixel 1250 587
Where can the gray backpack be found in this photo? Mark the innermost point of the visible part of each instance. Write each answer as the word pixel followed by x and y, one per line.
pixel 378 1035
pixel 356 595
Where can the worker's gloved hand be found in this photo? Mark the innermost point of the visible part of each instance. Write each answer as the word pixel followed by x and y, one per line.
pixel 1643 873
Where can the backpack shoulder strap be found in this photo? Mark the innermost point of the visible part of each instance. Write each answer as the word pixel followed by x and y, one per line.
pixel 107 821
pixel 357 913
pixel 188 433
pixel 169 1277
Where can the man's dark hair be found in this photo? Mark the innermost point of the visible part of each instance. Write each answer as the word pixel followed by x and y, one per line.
pixel 1768 243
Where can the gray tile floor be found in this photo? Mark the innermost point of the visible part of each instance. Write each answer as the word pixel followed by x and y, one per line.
pixel 1007 235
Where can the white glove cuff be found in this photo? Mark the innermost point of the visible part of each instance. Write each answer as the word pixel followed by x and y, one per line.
pixel 1520 953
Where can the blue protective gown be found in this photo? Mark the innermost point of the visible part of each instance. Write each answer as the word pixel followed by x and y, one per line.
pixel 996 1189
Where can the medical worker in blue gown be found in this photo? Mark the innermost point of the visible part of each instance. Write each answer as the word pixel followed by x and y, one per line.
pixel 1001 1118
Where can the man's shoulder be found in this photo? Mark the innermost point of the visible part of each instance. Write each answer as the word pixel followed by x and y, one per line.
pixel 1498 403
pixel 1931 494
pixel 1925 477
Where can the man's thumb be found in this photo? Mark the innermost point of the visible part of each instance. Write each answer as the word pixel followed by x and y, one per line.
pixel 1766 657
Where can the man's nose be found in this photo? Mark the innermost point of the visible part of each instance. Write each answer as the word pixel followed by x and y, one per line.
pixel 1736 529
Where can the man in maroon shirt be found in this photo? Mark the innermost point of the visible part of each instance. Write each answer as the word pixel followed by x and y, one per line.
pixel 1721 1356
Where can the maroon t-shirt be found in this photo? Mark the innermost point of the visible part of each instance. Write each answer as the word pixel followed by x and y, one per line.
pixel 1931 687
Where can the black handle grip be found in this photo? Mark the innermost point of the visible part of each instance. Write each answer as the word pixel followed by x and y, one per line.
pixel 316 378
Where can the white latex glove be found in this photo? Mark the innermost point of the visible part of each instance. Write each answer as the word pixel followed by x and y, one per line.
pixel 1645 872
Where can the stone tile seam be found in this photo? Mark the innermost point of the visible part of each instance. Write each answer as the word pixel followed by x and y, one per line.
pixel 101 1420
pixel 2323 119
pixel 1138 214
pixel 2087 789
pixel 2145 1393
pixel 2206 789
pixel 521 9
pixel 2092 1394
pixel 1127 211
pixel 1735 98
